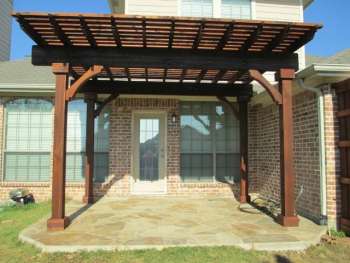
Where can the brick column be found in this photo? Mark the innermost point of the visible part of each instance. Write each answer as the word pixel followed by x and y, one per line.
pixel 331 127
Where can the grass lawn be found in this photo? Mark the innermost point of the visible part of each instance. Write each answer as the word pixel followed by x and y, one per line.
pixel 13 220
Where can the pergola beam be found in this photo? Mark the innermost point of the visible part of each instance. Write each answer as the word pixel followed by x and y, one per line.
pixel 167 88
pixel 160 58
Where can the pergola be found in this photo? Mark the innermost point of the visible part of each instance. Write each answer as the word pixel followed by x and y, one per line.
pixel 120 54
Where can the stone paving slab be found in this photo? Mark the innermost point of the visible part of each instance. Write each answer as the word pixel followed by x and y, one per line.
pixel 161 222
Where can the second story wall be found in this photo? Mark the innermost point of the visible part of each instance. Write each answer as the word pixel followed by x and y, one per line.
pixel 281 10
pixel 5 29
pixel 152 7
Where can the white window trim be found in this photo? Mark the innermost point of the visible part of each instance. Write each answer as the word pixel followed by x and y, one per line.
pixel 253 9
pixel 216 8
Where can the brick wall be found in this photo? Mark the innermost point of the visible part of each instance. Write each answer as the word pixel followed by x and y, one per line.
pixel 264 153
pixel 332 157
pixel 120 156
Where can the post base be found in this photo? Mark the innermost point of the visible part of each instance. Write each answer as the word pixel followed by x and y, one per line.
pixel 244 199
pixel 288 221
pixel 57 224
pixel 88 200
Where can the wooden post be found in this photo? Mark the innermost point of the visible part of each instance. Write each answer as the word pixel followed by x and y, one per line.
pixel 288 217
pixel 58 220
pixel 243 131
pixel 90 99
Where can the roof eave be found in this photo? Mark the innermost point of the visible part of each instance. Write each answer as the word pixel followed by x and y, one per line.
pixel 324 70
pixel 307 3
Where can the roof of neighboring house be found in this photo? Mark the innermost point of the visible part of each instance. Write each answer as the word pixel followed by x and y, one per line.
pixel 342 57
pixel 22 76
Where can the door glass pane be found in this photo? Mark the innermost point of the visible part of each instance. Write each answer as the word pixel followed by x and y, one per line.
pixel 149 149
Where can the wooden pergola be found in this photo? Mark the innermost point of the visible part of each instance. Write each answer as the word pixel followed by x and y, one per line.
pixel 120 54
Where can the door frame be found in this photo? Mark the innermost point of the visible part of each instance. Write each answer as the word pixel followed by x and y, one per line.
pixel 163 165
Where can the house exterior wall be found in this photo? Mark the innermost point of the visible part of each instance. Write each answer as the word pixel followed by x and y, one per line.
pixel 118 184
pixel 264 153
pixel 263 159
pixel 332 156
pixel 5 29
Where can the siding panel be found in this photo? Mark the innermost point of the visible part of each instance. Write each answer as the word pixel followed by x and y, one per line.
pixel 152 7
pixel 282 10
pixel 5 29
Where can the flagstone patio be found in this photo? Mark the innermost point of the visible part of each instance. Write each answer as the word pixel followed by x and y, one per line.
pixel 160 222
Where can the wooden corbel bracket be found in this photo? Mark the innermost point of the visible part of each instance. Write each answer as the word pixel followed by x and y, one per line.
pixel 229 104
pixel 103 104
pixel 273 92
pixel 79 83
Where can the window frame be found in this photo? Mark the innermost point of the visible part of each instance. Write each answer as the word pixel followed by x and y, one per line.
pixel 213 137
pixel 4 140
pixel 217 8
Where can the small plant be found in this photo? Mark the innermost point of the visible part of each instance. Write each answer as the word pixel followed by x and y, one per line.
pixel 335 233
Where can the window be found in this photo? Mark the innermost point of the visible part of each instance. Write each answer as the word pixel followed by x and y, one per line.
pixel 28 140
pixel 76 136
pixel 236 9
pixel 197 8
pixel 209 143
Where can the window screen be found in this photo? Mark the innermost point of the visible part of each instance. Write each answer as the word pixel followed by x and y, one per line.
pixel 209 142
pixel 28 140
pixel 197 8
pixel 76 136
pixel 236 9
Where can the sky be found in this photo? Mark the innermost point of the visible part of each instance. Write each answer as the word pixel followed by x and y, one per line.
pixel 334 37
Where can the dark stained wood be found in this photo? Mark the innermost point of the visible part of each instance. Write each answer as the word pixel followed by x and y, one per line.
pixel 251 39
pixel 343 95
pixel 198 38
pixel 77 84
pixel 273 92
pixel 58 220
pixel 343 113
pixel 243 133
pixel 167 88
pixel 96 30
pixel 223 41
pixel 230 105
pixel 160 58
pixel 171 35
pixel 31 32
pixel 237 76
pixel 201 75
pixel 102 104
pixel 90 99
pixel 288 216
pixel 87 32
pixel 115 32
pixel 278 39
pixel 219 76
pixel 59 32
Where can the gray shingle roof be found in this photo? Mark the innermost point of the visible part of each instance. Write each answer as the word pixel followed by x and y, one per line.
pixel 342 57
pixel 23 72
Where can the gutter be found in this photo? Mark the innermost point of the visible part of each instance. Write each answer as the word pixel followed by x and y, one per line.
pixel 322 157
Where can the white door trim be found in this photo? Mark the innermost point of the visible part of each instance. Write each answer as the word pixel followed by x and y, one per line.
pixel 148 187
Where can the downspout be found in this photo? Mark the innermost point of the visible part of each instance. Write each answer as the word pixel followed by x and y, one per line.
pixel 322 157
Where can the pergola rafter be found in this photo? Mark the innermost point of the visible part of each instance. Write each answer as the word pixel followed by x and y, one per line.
pixel 121 54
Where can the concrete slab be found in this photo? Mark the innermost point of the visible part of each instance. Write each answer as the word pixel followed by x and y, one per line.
pixel 157 222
